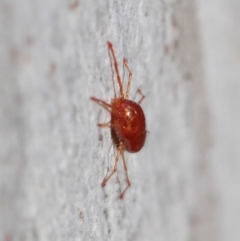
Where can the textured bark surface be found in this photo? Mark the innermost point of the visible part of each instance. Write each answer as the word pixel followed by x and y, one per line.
pixel 184 56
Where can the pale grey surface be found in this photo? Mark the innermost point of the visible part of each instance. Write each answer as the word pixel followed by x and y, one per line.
pixel 185 58
pixel 221 44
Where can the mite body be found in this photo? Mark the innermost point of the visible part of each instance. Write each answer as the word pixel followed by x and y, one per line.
pixel 128 125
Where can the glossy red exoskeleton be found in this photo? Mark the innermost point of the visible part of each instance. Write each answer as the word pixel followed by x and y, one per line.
pixel 128 126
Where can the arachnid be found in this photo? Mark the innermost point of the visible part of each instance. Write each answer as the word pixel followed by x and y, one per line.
pixel 128 126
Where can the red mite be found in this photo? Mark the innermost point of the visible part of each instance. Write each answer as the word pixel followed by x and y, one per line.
pixel 128 126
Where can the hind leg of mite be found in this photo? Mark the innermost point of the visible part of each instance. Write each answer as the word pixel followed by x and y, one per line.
pixel 105 180
pixel 127 177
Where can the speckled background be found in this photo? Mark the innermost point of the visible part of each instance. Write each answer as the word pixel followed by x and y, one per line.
pixel 184 55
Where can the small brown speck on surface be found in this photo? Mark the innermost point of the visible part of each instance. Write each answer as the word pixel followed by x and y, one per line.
pixel 174 22
pixel 73 6
pixel 13 54
pixel 52 68
pixel 63 208
pixel 176 44
pixel 30 40
pixel 8 237
pixel 81 216
pixel 194 220
pixel 7 8
pixel 166 49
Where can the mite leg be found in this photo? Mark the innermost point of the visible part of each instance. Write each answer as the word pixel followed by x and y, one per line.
pixel 110 47
pixel 104 104
pixel 143 96
pixel 105 180
pixel 126 170
pixel 129 77
pixel 112 70
pixel 108 160
pixel 108 124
